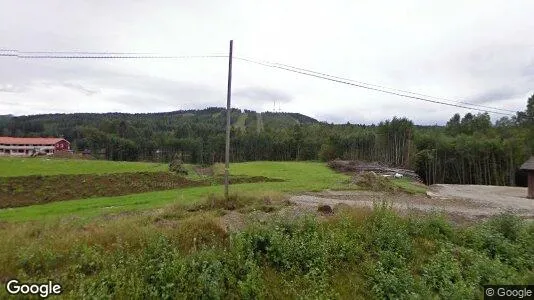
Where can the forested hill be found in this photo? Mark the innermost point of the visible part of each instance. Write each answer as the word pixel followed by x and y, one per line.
pixel 468 150
pixel 59 124
pixel 152 136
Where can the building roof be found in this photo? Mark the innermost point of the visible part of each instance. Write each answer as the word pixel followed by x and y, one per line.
pixel 30 141
pixel 528 165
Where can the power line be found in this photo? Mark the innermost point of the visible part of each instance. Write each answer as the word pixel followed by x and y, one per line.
pixel 97 55
pixel 303 71
pixel 384 87
pixel 363 86
pixel 86 52
pixel 109 56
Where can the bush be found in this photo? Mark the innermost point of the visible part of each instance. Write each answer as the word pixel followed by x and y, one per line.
pixel 378 254
pixel 443 275
pixel 327 152
pixel 177 166
pixel 395 283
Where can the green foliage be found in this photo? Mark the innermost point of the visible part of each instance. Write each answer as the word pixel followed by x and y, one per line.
pixel 409 186
pixel 327 152
pixel 468 150
pixel 443 275
pixel 177 166
pixel 293 177
pixel 16 166
pixel 361 254
pixel 505 238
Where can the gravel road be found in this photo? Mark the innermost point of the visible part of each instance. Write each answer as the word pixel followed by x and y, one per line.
pixel 469 202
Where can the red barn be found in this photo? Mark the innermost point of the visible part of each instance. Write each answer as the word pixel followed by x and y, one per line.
pixel 30 146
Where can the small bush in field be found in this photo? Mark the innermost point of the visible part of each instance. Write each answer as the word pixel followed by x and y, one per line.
pixel 177 166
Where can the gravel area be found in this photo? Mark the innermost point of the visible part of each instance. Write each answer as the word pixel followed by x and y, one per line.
pixel 469 202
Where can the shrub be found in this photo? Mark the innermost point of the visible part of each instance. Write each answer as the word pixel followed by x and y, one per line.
pixel 386 231
pixel 443 275
pixel 395 283
pixel 506 238
pixel 356 253
pixel 434 227
pixel 177 166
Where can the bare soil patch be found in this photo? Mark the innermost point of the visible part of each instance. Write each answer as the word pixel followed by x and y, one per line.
pixel 36 189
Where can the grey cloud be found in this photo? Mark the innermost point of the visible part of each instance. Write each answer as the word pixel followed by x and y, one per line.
pixel 79 87
pixel 492 96
pixel 473 58
pixel 262 94
pixel 165 100
pixel 528 71
pixel 137 91
pixel 12 88
pixel 157 92
pixel 339 119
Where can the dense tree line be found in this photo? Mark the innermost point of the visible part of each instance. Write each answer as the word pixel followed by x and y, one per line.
pixel 468 150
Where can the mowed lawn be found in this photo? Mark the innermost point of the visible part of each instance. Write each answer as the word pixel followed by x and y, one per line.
pixel 297 176
pixel 18 166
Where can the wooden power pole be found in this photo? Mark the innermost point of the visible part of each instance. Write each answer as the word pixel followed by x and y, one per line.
pixel 228 100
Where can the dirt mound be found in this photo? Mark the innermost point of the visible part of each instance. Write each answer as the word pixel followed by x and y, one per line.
pixel 71 155
pixel 325 209
pixel 374 182
pixel 205 171
pixel 36 189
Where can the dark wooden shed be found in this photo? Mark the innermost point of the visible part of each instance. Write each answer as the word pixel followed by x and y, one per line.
pixel 529 167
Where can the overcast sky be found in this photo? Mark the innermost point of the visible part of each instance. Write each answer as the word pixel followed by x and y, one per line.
pixel 475 51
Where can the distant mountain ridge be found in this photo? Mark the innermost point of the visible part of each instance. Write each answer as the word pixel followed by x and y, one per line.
pixel 288 118
pixel 62 124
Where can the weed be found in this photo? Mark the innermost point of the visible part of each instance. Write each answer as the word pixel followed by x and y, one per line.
pixel 357 253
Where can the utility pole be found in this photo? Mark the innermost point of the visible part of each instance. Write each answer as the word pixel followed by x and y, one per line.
pixel 227 150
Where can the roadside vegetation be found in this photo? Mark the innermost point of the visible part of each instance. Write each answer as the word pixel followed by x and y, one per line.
pixel 189 251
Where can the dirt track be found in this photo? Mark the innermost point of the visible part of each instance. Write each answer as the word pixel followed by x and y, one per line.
pixel 460 201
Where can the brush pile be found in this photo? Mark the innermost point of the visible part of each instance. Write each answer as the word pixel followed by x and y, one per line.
pixel 358 167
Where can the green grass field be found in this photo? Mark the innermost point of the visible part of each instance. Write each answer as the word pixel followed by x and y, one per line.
pixel 298 176
pixel 15 166
pixel 198 246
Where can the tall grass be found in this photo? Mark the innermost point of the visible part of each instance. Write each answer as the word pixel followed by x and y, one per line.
pixel 181 252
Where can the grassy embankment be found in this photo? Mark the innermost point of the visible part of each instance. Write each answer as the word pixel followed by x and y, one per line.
pixel 186 252
pixel 297 176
